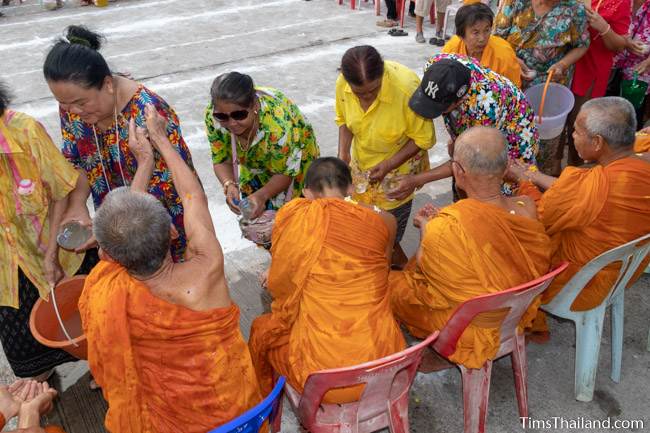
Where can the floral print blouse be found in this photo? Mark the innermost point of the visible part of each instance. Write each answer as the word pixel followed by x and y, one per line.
pixel 493 100
pixel 543 41
pixel 114 165
pixel 640 30
pixel 285 144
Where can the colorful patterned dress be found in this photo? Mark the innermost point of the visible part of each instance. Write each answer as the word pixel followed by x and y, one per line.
pixel 285 144
pixel 494 101
pixel 639 30
pixel 115 166
pixel 542 41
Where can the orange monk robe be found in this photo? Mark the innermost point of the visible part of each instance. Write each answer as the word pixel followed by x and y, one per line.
pixel 329 282
pixel 588 211
pixel 163 368
pixel 498 55
pixel 642 143
pixel 470 249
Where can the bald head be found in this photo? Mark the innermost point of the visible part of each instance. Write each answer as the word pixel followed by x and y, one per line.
pixel 482 151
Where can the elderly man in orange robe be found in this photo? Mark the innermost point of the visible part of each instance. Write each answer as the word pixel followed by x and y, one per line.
pixel 163 337
pixel 587 211
pixel 483 244
pixel 329 282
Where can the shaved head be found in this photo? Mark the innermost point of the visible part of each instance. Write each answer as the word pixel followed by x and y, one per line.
pixel 482 151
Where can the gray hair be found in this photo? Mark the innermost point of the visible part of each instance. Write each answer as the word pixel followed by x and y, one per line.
pixel 482 150
pixel 133 228
pixel 613 118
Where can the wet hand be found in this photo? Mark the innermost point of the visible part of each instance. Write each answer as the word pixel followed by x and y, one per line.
pixel 232 199
pixel 157 126
pixel 379 171
pixel 139 144
pixel 516 170
pixel 637 47
pixel 405 187
pixel 424 215
pixel 52 268
pixel 257 203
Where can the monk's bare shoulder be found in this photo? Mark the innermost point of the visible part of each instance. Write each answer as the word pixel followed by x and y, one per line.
pixel 200 286
pixel 388 218
pixel 524 205
pixel 644 156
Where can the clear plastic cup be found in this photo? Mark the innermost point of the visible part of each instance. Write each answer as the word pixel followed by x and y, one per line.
pixel 73 235
pixel 361 181
pixel 390 185
pixel 246 209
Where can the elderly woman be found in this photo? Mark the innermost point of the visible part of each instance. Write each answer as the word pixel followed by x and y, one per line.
pixel 266 135
pixel 474 39
pixel 547 36
pixel 379 135
pixel 96 107
pixel 466 94
pixel 35 181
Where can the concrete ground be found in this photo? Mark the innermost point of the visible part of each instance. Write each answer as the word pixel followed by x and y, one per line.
pixel 177 48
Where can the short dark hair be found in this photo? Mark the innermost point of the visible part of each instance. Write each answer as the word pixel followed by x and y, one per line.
pixel 76 58
pixel 328 172
pixel 362 64
pixel 5 97
pixel 233 87
pixel 469 15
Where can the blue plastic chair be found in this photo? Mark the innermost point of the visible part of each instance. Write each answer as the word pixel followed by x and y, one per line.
pixel 589 323
pixel 252 420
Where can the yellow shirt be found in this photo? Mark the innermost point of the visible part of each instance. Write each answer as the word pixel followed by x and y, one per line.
pixel 27 152
pixel 498 55
pixel 385 128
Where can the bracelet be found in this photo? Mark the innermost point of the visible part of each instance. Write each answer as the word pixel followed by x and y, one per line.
pixel 609 27
pixel 227 183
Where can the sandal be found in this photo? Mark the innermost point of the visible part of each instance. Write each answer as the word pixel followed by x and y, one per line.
pixel 397 32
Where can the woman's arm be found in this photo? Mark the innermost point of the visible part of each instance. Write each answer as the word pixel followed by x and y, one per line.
pixel 613 41
pixel 560 68
pixel 345 143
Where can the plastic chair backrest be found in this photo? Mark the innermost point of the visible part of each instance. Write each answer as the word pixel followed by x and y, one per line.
pixel 251 421
pixel 516 299
pixel 630 255
pixel 378 376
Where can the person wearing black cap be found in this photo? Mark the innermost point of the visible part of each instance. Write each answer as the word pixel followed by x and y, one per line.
pixel 466 95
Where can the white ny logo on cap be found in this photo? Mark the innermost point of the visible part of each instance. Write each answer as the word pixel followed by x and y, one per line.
pixel 432 89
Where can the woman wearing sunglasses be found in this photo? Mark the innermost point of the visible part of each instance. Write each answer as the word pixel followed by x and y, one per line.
pixel 96 107
pixel 266 134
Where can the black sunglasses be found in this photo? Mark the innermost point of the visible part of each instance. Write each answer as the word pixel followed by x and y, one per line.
pixel 234 115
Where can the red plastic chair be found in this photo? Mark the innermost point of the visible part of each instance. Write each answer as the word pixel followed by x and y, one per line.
pixel 476 382
pixel 383 403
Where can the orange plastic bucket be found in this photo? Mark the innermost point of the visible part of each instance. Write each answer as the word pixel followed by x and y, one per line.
pixel 101 3
pixel 45 325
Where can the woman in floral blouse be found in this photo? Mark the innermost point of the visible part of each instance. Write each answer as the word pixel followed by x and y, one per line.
pixel 546 35
pixel 273 141
pixel 96 107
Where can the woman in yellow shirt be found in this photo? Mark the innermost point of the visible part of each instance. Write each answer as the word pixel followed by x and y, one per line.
pixel 35 180
pixel 379 135
pixel 474 39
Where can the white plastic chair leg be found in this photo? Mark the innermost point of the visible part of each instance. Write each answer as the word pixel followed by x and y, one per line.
pixel 617 336
pixel 589 328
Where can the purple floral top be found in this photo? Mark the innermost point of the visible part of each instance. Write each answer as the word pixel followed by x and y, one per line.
pixel 640 29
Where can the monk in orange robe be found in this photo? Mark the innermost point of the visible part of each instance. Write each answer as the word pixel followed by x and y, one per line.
pixel 474 39
pixel 483 244
pixel 587 211
pixel 329 282
pixel 163 338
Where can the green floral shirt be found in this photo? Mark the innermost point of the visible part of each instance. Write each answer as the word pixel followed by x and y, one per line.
pixel 284 144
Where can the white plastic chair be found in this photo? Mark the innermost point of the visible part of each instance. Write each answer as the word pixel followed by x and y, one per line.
pixel 450 14
pixel 589 324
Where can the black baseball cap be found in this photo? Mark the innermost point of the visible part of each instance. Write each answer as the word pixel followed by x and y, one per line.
pixel 443 84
